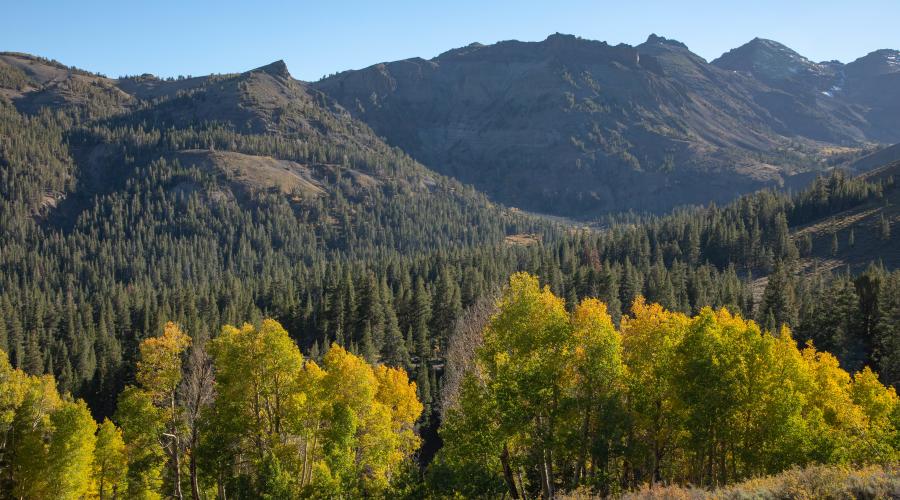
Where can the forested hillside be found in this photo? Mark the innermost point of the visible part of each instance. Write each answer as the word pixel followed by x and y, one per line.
pixel 138 212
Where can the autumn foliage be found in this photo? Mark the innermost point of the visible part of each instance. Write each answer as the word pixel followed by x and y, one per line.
pixel 559 400
pixel 554 399
pixel 253 419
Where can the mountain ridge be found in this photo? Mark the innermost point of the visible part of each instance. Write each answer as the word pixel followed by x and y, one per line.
pixel 235 140
pixel 572 126
pixel 565 126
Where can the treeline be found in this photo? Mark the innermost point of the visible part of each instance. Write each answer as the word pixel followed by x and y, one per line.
pixel 753 233
pixel 241 416
pixel 857 318
pixel 552 400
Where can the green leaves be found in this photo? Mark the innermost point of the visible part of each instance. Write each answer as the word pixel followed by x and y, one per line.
pixel 48 441
pixel 558 399
pixel 72 450
pixel 110 465
pixel 343 427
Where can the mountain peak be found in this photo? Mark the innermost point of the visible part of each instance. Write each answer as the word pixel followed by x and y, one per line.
pixel 879 62
pixel 655 39
pixel 560 37
pixel 770 61
pixel 760 50
pixel 766 42
pixel 277 68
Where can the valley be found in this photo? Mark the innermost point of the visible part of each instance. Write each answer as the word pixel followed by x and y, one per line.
pixel 548 269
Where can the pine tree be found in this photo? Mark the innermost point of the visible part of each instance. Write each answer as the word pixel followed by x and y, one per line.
pixel 421 316
pixel 779 299
pixel 367 345
pixel 423 384
pixel 447 307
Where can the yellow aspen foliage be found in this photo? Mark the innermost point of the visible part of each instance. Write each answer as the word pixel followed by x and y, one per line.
pixel 159 373
pixel 71 450
pixel 398 394
pixel 370 436
pixel 12 392
pixel 562 400
pixel 277 426
pixel 142 424
pixel 344 427
pixel 110 465
pixel 159 369
pixel 349 380
pixel 882 412
pixel 257 370
pixel 650 337
pixel 877 401
pixel 48 440
pixel 30 434
pixel 597 345
pixel 596 385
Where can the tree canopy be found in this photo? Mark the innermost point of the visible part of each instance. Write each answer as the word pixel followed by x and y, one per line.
pixel 556 400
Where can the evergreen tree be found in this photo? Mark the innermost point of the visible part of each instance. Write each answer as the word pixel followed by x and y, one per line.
pixel 779 305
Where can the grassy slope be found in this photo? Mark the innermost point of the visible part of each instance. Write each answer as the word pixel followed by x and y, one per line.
pixel 815 482
pixel 865 222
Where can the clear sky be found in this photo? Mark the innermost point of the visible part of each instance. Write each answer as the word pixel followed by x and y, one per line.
pixel 169 38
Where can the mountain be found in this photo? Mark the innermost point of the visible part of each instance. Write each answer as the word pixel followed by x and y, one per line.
pixel 577 127
pixel 246 136
pixel 777 65
pixel 873 82
pixel 220 199
pixel 865 222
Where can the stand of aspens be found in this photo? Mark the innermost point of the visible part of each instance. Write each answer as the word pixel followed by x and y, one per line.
pixel 549 400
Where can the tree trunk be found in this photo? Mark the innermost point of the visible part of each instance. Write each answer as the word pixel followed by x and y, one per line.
pixel 176 455
pixel 522 484
pixel 547 473
pixel 176 465
pixel 220 486
pixel 507 473
pixel 581 466
pixel 657 447
pixel 195 483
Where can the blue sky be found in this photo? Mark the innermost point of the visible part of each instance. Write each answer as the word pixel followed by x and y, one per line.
pixel 170 38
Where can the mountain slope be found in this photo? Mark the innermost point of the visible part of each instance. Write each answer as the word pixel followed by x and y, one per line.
pixel 573 127
pixel 865 222
pixel 873 81
pixel 778 65
pixel 246 136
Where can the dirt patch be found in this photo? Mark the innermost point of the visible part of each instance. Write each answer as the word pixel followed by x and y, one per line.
pixel 523 239
pixel 257 173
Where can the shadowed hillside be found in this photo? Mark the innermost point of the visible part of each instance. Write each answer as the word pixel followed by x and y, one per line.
pixel 576 127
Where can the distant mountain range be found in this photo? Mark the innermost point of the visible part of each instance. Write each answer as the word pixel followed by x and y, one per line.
pixel 565 126
pixel 577 127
